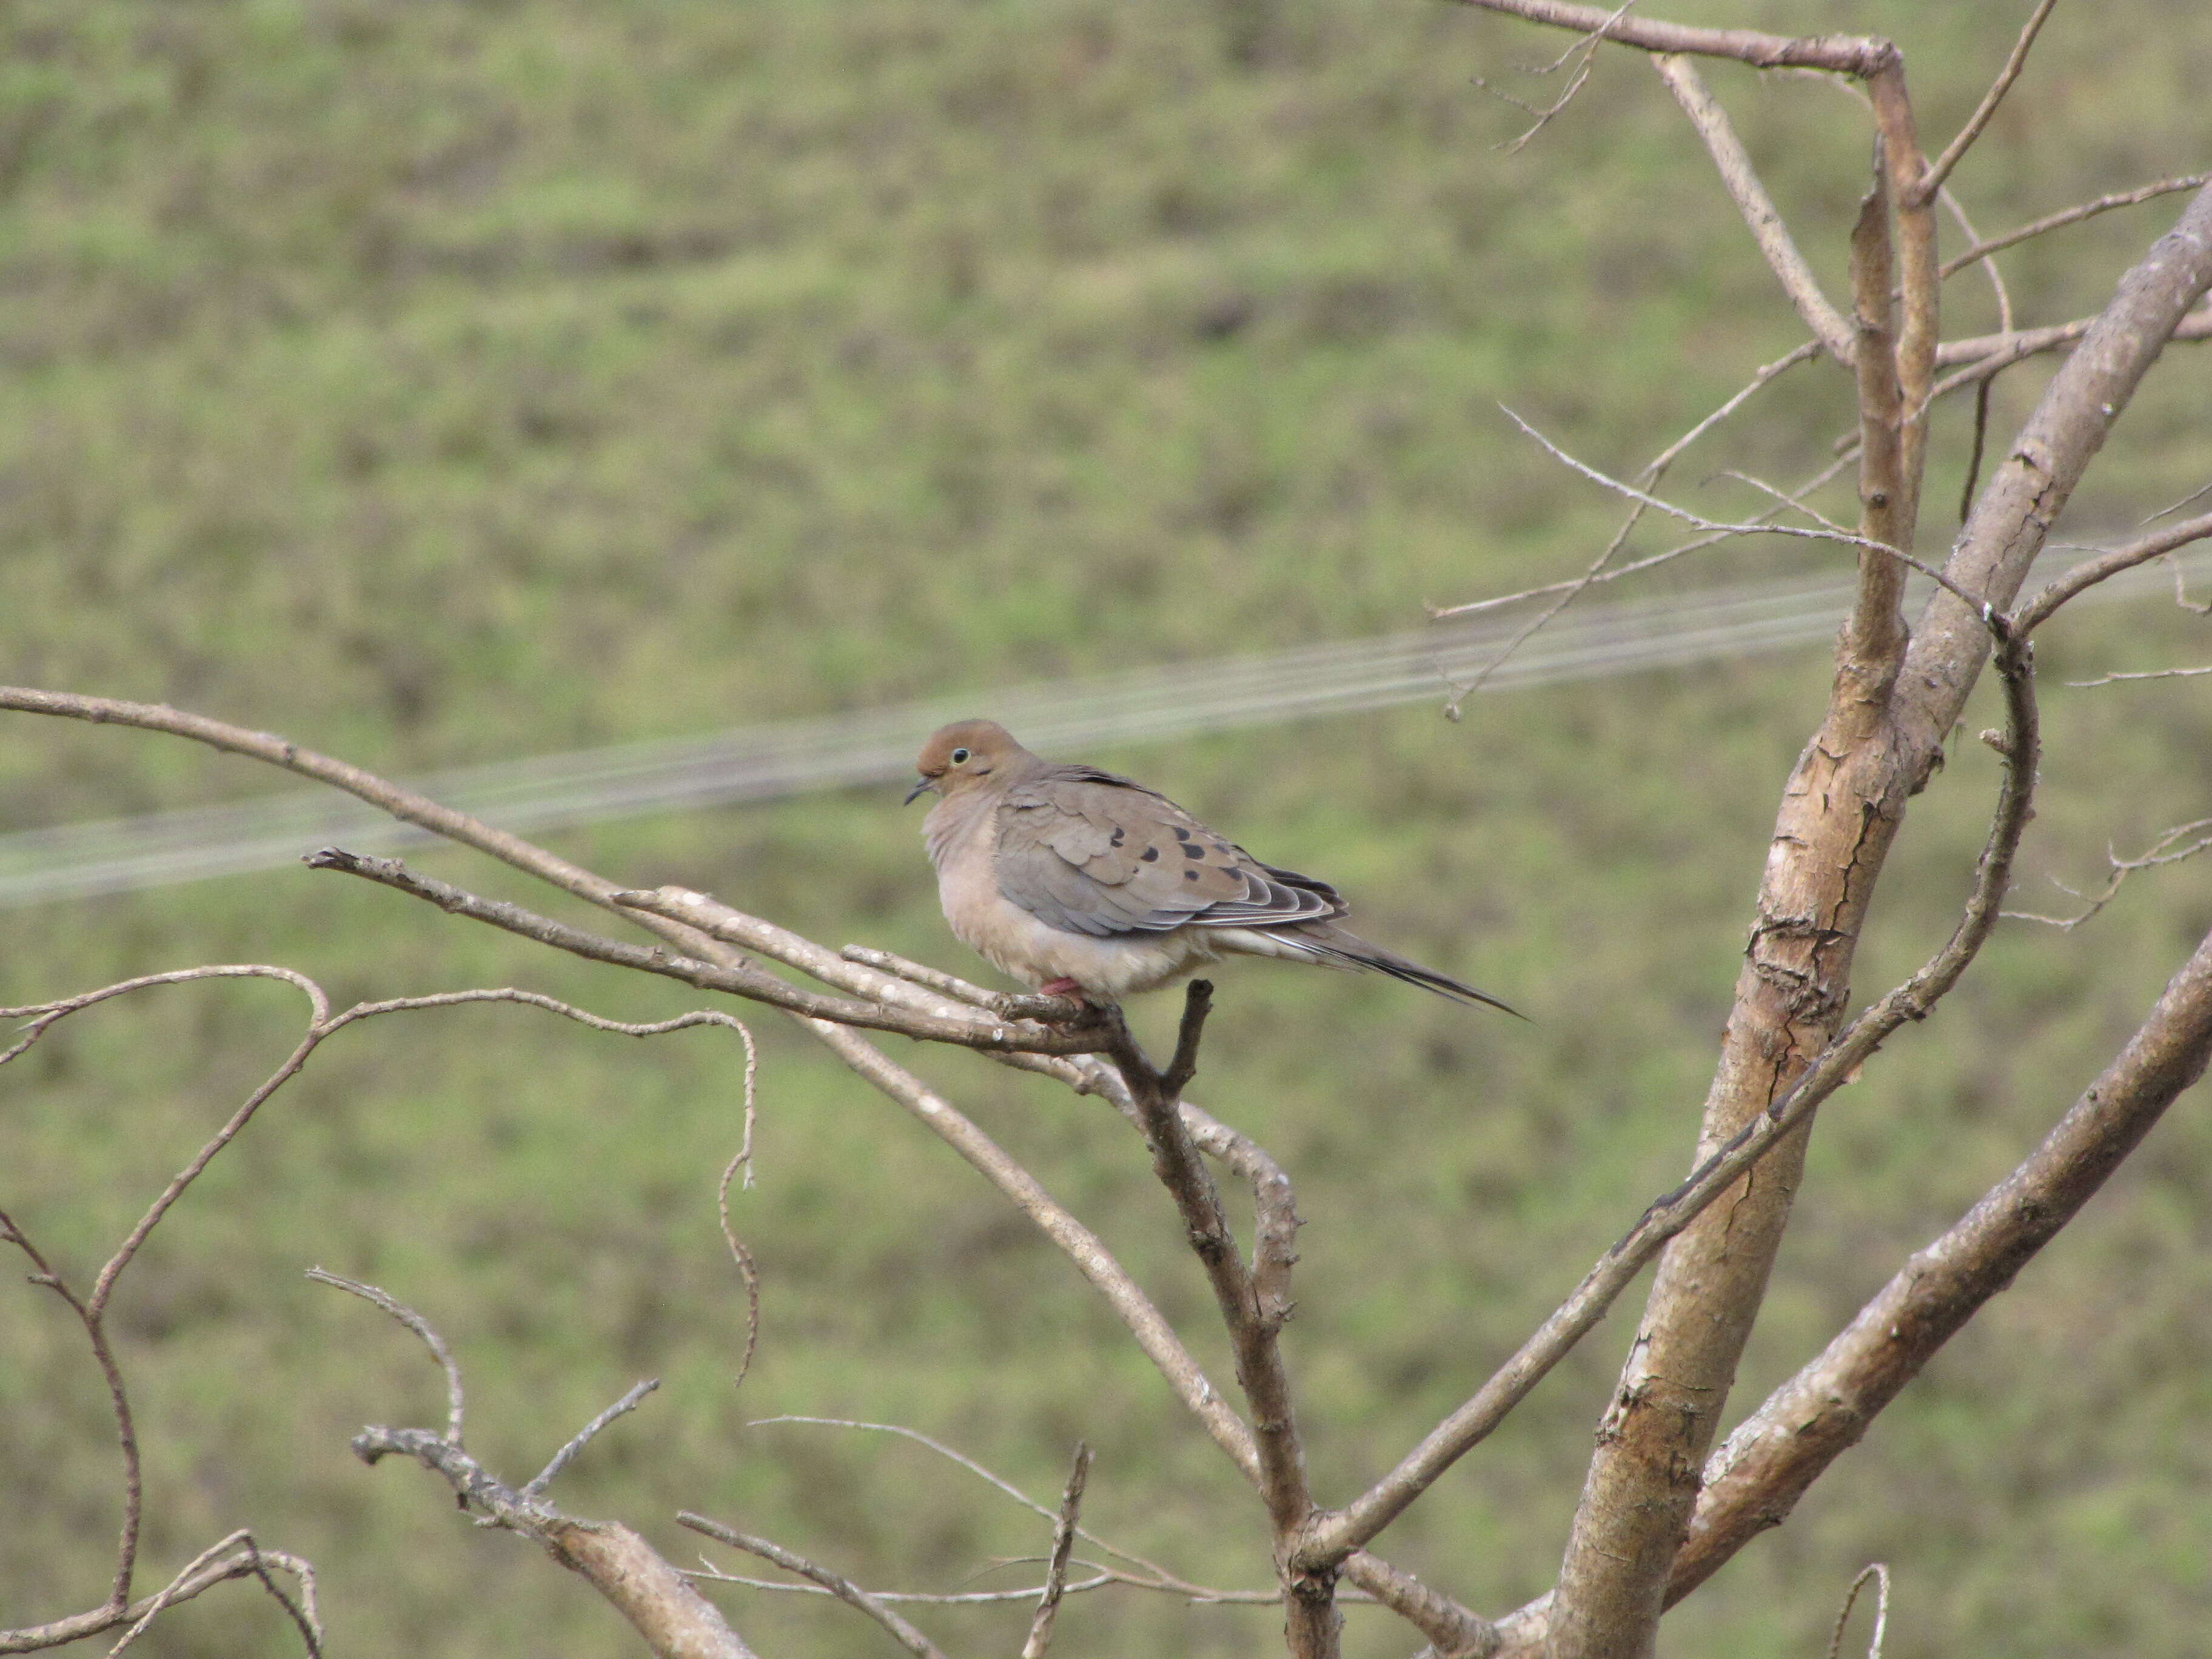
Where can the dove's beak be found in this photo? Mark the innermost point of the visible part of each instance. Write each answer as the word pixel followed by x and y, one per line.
pixel 920 784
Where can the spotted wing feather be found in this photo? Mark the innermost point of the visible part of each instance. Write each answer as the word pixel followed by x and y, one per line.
pixel 1089 853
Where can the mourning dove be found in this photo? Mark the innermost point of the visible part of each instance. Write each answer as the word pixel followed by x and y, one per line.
pixel 1070 879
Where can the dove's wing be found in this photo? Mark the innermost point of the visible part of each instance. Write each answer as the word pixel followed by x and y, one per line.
pixel 1086 851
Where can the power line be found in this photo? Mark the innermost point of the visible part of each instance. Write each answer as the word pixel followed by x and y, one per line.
pixel 762 762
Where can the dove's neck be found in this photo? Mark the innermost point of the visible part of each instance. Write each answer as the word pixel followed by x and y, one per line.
pixel 954 820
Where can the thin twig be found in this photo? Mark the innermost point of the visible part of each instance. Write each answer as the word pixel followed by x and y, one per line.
pixel 1985 354
pixel 1588 48
pixel 1197 1004
pixel 748 1270
pixel 936 979
pixel 118 1399
pixel 2161 851
pixel 1100 1578
pixel 1568 592
pixel 2073 215
pixel 1063 1543
pixel 1160 1577
pixel 455 1401
pixel 1758 528
pixel 2148 674
pixel 622 1407
pixel 2109 563
pixel 1981 431
pixel 2007 323
pixel 656 1598
pixel 249 1561
pixel 90 1311
pixel 2197 493
pixel 1952 206
pixel 1638 567
pixel 41 1016
pixel 1879 1574
pixel 1757 207
pixel 843 1588
pixel 304 1617
pixel 1940 169
pixel 240 1565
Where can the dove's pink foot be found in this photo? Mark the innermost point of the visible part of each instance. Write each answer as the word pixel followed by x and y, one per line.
pixel 1060 988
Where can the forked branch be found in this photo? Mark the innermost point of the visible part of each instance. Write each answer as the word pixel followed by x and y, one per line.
pixel 676 1621
pixel 1753 1480
pixel 1366 1515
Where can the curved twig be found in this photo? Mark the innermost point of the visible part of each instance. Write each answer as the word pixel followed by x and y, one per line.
pixel 456 1399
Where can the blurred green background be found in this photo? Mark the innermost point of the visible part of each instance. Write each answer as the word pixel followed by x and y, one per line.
pixel 439 382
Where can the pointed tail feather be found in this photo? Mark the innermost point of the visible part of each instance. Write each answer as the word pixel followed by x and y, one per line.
pixel 1339 947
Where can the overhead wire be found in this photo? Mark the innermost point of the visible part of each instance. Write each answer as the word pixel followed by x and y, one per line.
pixel 876 746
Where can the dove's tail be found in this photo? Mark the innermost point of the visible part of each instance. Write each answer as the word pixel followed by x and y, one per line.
pixel 1327 942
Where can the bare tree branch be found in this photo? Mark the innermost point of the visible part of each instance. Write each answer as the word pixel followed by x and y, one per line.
pixel 843 1588
pixel 1568 592
pixel 456 1399
pixel 1665 1408
pixel 1986 354
pixel 1081 1246
pixel 1940 169
pixel 1845 54
pixel 2073 215
pixel 1366 1515
pixel 1582 53
pixel 2110 562
pixel 2147 674
pixel 1879 1574
pixel 583 1437
pixel 1063 1542
pixel 1100 1578
pixel 2195 494
pixel 1872 643
pixel 676 1621
pixel 1734 162
pixel 1754 527
pixel 737 977
pixel 1592 577
pixel 1156 1576
pixel 1454 1632
pixel 1313 1619
pixel 91 1310
pixel 2161 851
pixel 1920 285
pixel 1274 1213
pixel 242 1563
pixel 748 1273
pixel 1774 1456
pixel 2006 322
pixel 251 1561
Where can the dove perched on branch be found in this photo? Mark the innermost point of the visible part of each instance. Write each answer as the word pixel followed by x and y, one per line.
pixel 1073 879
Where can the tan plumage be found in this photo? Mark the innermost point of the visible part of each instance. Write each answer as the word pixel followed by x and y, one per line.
pixel 1067 878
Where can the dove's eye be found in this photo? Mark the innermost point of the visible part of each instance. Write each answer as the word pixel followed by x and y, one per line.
pixel 960 757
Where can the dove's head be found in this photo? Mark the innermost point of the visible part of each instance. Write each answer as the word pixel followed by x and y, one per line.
pixel 964 756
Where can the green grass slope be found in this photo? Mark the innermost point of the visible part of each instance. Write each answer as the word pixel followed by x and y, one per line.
pixel 445 382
